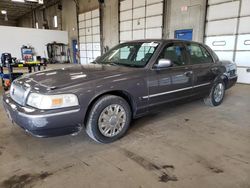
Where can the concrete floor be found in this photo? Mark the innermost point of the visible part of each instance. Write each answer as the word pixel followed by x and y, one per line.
pixel 188 145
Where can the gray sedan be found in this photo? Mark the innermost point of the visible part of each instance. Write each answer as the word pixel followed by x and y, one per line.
pixel 127 82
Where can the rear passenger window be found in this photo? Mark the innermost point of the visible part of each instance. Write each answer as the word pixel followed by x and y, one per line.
pixel 216 58
pixel 198 54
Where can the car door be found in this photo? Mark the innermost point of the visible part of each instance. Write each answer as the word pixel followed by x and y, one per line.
pixel 174 82
pixel 202 64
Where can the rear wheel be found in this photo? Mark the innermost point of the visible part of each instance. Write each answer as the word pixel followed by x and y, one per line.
pixel 216 95
pixel 108 119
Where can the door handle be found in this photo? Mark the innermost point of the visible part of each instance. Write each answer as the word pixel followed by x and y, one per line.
pixel 188 73
pixel 214 69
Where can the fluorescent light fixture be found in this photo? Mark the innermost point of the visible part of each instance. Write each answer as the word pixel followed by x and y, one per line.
pixel 6 18
pixel 34 1
pixel 184 8
pixel 20 1
pixel 55 21
pixel 3 11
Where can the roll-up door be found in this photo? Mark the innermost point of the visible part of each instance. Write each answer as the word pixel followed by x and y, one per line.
pixel 228 33
pixel 89 36
pixel 140 19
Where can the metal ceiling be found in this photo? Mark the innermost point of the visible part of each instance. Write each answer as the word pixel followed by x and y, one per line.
pixel 16 10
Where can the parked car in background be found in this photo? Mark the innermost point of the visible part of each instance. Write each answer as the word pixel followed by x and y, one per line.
pixel 127 82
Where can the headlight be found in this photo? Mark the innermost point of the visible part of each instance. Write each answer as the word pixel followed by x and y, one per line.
pixel 45 102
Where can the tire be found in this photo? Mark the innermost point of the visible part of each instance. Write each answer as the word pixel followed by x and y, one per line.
pixel 214 98
pixel 108 112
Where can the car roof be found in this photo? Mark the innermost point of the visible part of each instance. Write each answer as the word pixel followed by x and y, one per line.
pixel 161 41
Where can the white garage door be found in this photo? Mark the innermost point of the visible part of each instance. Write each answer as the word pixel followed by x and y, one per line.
pixel 228 33
pixel 89 36
pixel 141 19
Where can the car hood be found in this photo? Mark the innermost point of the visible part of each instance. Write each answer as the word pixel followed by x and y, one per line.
pixel 63 77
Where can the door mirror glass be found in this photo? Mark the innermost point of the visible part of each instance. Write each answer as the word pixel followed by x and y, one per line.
pixel 163 63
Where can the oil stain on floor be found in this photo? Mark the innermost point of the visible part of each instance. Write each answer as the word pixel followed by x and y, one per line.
pixel 165 175
pixel 24 180
pixel 28 179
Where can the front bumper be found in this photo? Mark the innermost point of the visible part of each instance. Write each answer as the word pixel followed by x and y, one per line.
pixel 41 123
pixel 231 82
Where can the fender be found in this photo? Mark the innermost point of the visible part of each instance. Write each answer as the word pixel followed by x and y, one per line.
pixel 220 77
pixel 124 94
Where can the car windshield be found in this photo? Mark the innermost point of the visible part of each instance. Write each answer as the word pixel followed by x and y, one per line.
pixel 129 54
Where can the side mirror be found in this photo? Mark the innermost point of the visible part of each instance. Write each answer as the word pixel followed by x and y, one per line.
pixel 163 63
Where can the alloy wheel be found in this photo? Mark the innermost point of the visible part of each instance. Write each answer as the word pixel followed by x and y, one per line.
pixel 112 120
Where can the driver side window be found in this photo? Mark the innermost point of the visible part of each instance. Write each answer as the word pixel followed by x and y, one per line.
pixel 174 53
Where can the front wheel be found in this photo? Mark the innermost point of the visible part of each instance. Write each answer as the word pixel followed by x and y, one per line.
pixel 216 95
pixel 108 119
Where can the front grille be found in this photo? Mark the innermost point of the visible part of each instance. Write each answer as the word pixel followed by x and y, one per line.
pixel 18 93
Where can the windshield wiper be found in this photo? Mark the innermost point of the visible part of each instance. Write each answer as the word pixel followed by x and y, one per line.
pixel 94 62
pixel 119 64
pixel 128 65
pixel 109 63
pixel 113 63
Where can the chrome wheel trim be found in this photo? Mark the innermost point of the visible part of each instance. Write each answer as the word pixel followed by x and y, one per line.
pixel 112 120
pixel 218 92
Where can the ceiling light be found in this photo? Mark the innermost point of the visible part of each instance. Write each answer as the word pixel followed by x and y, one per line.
pixel 34 1
pixel 6 18
pixel 55 22
pixel 21 1
pixel 3 11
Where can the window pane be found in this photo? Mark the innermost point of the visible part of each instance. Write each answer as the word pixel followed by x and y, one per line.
pixel 174 53
pixel 144 53
pixel 213 53
pixel 198 54
pixel 207 56
pixel 124 52
pixel 131 54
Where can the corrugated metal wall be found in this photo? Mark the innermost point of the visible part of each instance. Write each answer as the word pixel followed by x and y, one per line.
pixel 228 33
pixel 89 36
pixel 140 19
